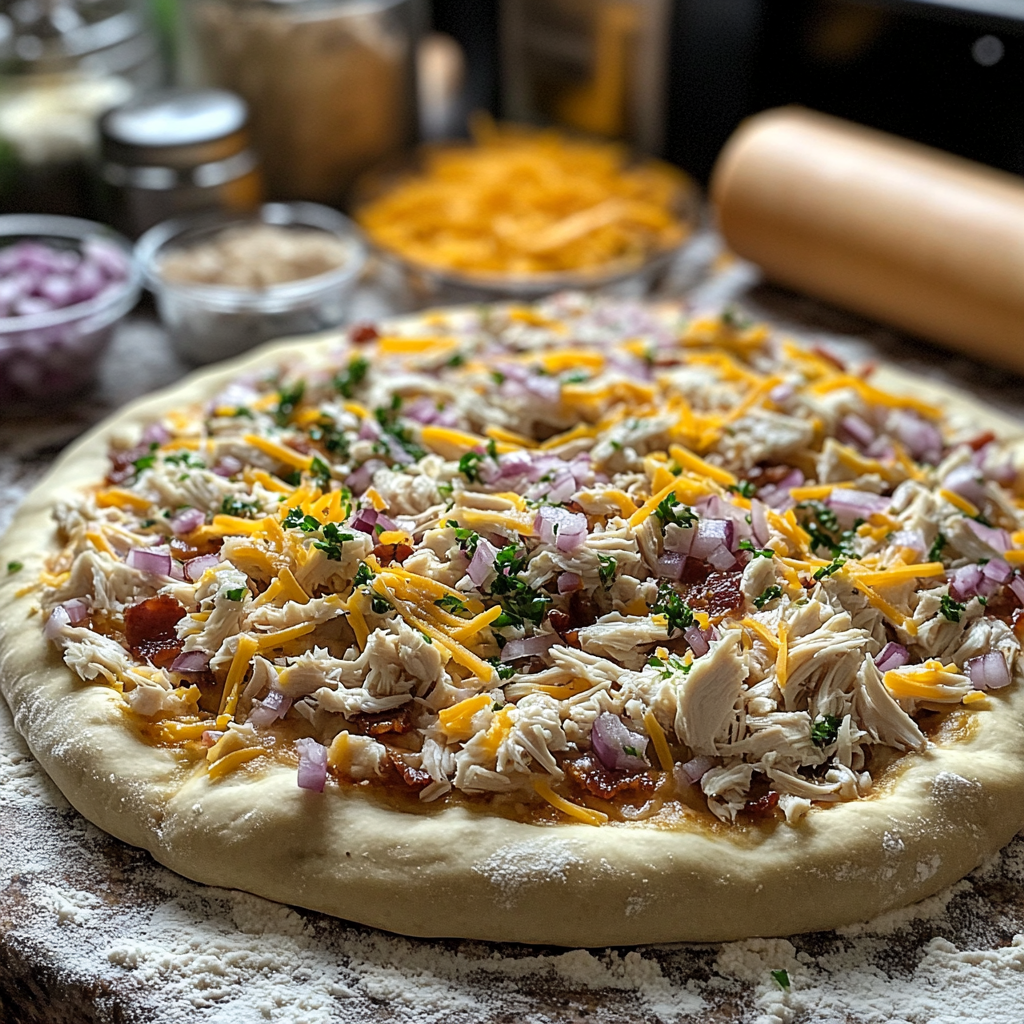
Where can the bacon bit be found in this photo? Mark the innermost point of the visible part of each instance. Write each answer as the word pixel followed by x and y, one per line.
pixel 581 610
pixel 764 806
pixel 979 442
pixel 588 772
pixel 363 334
pixel 149 629
pixel 829 357
pixel 415 778
pixel 384 722
pixel 388 553
pixel 723 593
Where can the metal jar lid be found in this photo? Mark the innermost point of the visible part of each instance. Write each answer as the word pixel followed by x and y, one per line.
pixel 176 137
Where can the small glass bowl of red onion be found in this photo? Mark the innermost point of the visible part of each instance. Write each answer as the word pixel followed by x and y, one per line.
pixel 64 284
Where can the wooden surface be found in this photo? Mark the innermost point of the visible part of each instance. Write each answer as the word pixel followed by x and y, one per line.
pixel 92 930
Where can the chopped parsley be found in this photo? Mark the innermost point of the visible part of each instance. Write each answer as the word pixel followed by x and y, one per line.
pixel 288 401
pixel 671 511
pixel 456 360
pixel 346 382
pixel 13 567
pixel 445 491
pixel 951 609
pixel 380 605
pixel 766 595
pixel 746 545
pixel 364 575
pixel 232 506
pixel 935 552
pixel 607 569
pixel 520 603
pixel 327 433
pixel 677 612
pixel 745 489
pixel 466 538
pixel 387 417
pixel 504 670
pixel 497 376
pixel 332 542
pixel 632 751
pixel 237 594
pixel 822 526
pixel 825 729
pixel 298 520
pixel 576 377
pixel 450 603
pixel 144 462
pixel 833 567
pixel 243 411
pixel 321 471
pixel 186 459
pixel 781 978
pixel 469 466
pixel 667 668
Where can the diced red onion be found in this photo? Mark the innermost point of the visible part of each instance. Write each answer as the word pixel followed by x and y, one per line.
pixel 529 647
pixel 569 582
pixel 556 525
pixel 997 540
pixel 365 520
pixel 777 496
pixel 156 562
pixel 195 567
pixel 384 523
pixel 759 522
pixel 191 662
pixel 177 571
pixel 312 765
pixel 968 482
pixel 782 393
pixel 695 770
pixel 921 438
pixel 965 582
pixel 77 609
pixel 1017 586
pixel 696 639
pixel 912 539
pixel 59 618
pixel 187 520
pixel 721 559
pixel 892 655
pixel 850 505
pixel 562 489
pixel 858 429
pixel 482 563
pixel 711 534
pixel 997 570
pixel 988 672
pixel 609 737
pixel 547 388
pixel 273 707
pixel 670 565
pixel 361 478
pixel 227 466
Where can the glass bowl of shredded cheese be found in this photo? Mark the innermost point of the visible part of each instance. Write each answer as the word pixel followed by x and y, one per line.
pixel 521 212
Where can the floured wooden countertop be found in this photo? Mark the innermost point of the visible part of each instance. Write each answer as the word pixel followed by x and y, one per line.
pixel 93 930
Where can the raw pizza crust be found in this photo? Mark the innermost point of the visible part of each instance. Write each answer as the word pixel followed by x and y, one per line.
pixel 452 872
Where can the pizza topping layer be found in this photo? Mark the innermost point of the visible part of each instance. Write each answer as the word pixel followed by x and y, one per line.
pixel 582 559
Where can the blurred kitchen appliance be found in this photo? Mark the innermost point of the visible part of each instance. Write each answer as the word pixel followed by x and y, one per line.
pixel 331 84
pixel 177 151
pixel 62 64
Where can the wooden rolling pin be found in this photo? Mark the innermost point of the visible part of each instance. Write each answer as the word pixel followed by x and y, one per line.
pixel 926 241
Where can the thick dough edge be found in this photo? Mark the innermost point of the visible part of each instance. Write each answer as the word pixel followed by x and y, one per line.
pixel 450 872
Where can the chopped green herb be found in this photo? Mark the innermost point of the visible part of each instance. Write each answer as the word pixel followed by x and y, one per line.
pixel 469 466
pixel 387 417
pixel 364 575
pixel 935 552
pixel 632 751
pixel 467 539
pixel 13 567
pixel 734 317
pixel 825 730
pixel 671 511
pixel 445 491
pixel 186 459
pixel 288 401
pixel 668 668
pixel 380 605
pixel 144 462
pixel 321 471
pixel 951 609
pixel 833 567
pixel 504 670
pixel 492 449
pixel 346 382
pixel 332 542
pixel 298 520
pixel 243 411
pixel 576 377
pixel 232 506
pixel 745 489
pixel 450 603
pixel 294 478
pixel 520 603
pixel 671 605
pixel 147 523
pixel 746 545
pixel 327 433
pixel 237 594
pixel 607 569
pixel 781 978
pixel 456 360
pixel 497 376
pixel 766 595
pixel 616 445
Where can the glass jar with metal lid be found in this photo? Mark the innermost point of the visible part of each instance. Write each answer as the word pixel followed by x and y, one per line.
pixel 330 83
pixel 177 151
pixel 62 64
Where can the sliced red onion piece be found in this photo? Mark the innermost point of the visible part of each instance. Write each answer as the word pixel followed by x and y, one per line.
pixel 569 582
pixel 273 707
pixel 759 522
pixel 563 488
pixel 227 466
pixel 997 570
pixel 177 571
pixel 312 765
pixel 997 540
pixel 59 618
pixel 77 609
pixel 156 433
pixel 921 438
pixel 547 388
pixel 190 662
pixel 156 562
pixel 858 429
pixel 965 582
pixel 610 739
pixel 529 647
pixel 482 563
pixel 1017 586
pixel 384 523
pixel 721 559
pixel 912 539
pixel 556 525
pixel 187 520
pixel 361 478
pixel 850 505
pixel 968 482
pixel 670 565
pixel 711 534
pixel 892 655
pixel 782 393
pixel 365 520
pixel 696 639
pixel 988 672
pixel 695 770
pixel 195 567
